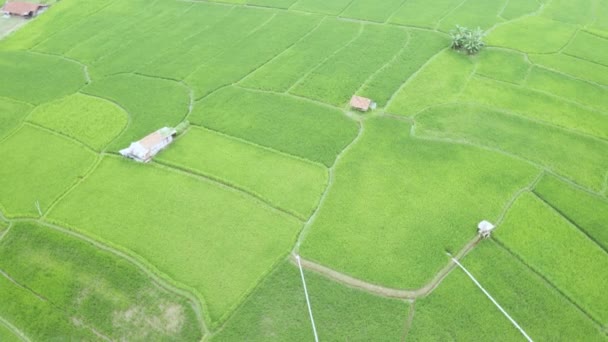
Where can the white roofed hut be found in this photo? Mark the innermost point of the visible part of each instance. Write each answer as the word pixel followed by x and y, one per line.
pixel 485 228
pixel 22 9
pixel 145 149
pixel 362 103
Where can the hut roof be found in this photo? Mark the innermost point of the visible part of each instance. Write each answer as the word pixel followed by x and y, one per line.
pixel 21 8
pixel 360 103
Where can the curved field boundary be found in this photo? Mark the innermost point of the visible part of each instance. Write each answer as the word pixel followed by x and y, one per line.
pixel 385 291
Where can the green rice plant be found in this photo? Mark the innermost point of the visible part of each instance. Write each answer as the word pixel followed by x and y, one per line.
pixel 91 120
pixel 528 34
pixel 333 7
pixel 537 106
pixel 111 15
pixel 599 24
pixel 438 81
pixel 337 80
pixel 198 49
pixel 11 114
pixel 58 17
pixel 419 13
pixel 573 66
pixel 387 177
pixel 290 183
pixel 284 71
pixel 557 84
pixel 281 122
pixel 589 47
pixel 577 157
pixel 276 311
pixel 519 8
pixel 151 103
pixel 212 238
pixel 184 20
pixel 22 308
pixel 467 40
pixel 371 10
pixel 36 78
pixel 459 311
pixel 272 3
pixel 588 212
pixel 564 255
pixel 524 294
pixel 94 287
pixel 421 46
pixel 473 13
pixel 580 12
pixel 257 49
pixel 39 166
pixel 132 21
pixel 506 66
pixel 6 334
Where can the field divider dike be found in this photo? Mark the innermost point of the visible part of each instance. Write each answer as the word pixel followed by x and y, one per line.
pixel 385 291
pixel 492 300
pixel 14 330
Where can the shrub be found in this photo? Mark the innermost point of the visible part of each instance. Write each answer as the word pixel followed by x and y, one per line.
pixel 465 39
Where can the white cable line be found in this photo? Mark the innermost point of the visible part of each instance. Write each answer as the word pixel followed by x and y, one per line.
pixel 493 301
pixel 312 320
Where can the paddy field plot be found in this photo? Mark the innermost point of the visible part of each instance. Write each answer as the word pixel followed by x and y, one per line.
pixel 85 290
pixel 276 311
pixel 290 183
pixel 365 209
pixel 216 240
pixel 274 162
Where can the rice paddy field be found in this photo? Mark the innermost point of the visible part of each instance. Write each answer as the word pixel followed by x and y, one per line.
pixel 279 212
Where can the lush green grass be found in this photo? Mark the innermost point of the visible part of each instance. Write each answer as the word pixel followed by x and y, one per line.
pixel 280 122
pixel 407 195
pixel 459 311
pixel 582 92
pixel 213 239
pixel 518 8
pixel 93 287
pixel 541 310
pixel 277 311
pixel 536 105
pixel 155 103
pixel 420 47
pixel 262 45
pixel 439 81
pixel 38 166
pixel 292 184
pixel 419 13
pixel 11 114
pixel 91 120
pixel 559 251
pixel 506 66
pixel 283 72
pixel 589 47
pixel 577 157
pixel 23 307
pixel 580 12
pixel 529 34
pixel 337 80
pixel 371 10
pixel 573 66
pixel 7 335
pixel 37 78
pixel 60 16
pixel 474 13
pixel 589 212
pixel 272 3
pixel 201 48
pixel 321 6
